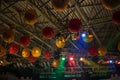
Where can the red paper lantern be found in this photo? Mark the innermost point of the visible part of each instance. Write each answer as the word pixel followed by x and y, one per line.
pixel 13 48
pixel 47 54
pixel 60 5
pixel 92 51
pixel 74 25
pixel 24 41
pixel 48 32
pixel 116 18
pixel 32 59
pixel 110 4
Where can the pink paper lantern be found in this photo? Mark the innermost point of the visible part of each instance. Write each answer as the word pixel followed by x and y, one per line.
pixel 116 18
pixel 24 41
pixel 74 25
pixel 13 48
pixel 48 32
pixel 92 51
pixel 47 54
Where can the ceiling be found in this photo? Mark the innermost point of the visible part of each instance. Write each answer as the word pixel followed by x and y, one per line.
pixel 93 15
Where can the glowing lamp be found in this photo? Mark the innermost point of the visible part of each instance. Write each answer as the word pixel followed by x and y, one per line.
pixel 48 32
pixel 55 63
pixel 92 51
pixel 60 5
pixel 13 48
pixel 8 35
pixel 110 61
pixel 71 58
pixel 30 17
pixel 24 41
pixel 60 42
pixel 116 17
pixel 32 59
pixel 74 25
pixel 47 54
pixel 110 4
pixel 83 35
pixel 81 59
pixel 2 51
pixel 36 52
pixel 102 50
pixel 118 46
pixel 25 53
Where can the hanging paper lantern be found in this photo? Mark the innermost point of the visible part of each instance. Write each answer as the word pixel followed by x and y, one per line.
pixel 2 51
pixel 32 59
pixel 24 41
pixel 118 46
pixel 47 54
pixel 110 4
pixel 60 42
pixel 13 48
pixel 116 17
pixel 55 63
pixel 25 53
pixel 30 17
pixel 102 50
pixel 36 52
pixel 88 38
pixel 48 32
pixel 60 5
pixel 92 51
pixel 8 35
pixel 74 25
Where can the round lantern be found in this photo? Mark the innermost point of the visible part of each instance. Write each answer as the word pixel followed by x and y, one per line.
pixel 74 25
pixel 116 17
pixel 110 4
pixel 102 50
pixel 2 51
pixel 36 52
pixel 88 38
pixel 8 35
pixel 32 59
pixel 60 42
pixel 30 17
pixel 92 51
pixel 24 41
pixel 48 32
pixel 25 53
pixel 118 46
pixel 13 48
pixel 60 5
pixel 47 54
pixel 55 63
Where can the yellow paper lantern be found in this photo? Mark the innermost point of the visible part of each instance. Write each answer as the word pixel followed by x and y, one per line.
pixel 30 17
pixel 2 51
pixel 88 38
pixel 55 63
pixel 25 53
pixel 110 4
pixel 118 46
pixel 60 42
pixel 8 35
pixel 36 52
pixel 102 50
pixel 60 5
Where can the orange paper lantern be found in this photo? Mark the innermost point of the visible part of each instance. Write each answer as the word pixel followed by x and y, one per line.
pixel 60 5
pixel 36 52
pixel 110 4
pixel 2 51
pixel 102 50
pixel 25 53
pixel 60 42
pixel 8 35
pixel 30 17
pixel 55 63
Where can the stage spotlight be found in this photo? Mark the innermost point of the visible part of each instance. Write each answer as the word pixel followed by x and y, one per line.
pixel 63 58
pixel 81 59
pixel 83 35
pixel 71 58
pixel 110 61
